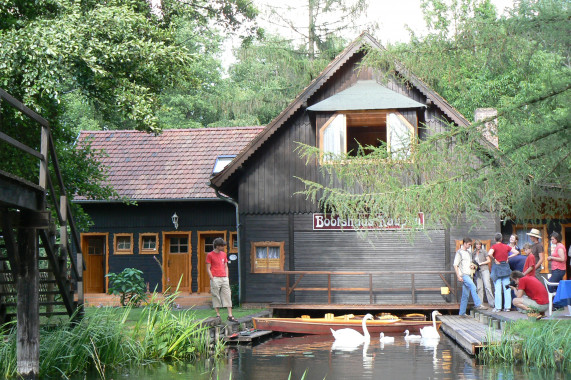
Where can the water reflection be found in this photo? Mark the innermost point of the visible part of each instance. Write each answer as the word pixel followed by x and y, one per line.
pixel 319 357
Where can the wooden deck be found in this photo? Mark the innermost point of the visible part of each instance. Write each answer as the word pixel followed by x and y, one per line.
pixel 469 333
pixel 245 337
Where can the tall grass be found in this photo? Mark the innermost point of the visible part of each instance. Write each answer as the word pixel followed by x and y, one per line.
pixel 105 341
pixel 543 344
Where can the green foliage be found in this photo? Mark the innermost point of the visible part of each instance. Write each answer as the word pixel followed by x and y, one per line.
pixel 129 285
pixel 165 335
pixel 106 340
pixel 268 75
pixel 544 344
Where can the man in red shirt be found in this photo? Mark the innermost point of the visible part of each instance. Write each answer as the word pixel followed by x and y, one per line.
pixel 530 292
pixel 217 269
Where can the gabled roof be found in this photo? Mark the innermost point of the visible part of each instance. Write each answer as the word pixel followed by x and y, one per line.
pixel 365 39
pixel 176 164
pixel 365 95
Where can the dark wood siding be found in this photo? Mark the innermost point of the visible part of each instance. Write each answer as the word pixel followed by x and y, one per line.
pixel 155 217
pixel 384 251
pixel 263 287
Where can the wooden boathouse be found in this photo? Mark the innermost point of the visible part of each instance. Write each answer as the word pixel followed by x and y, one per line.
pixel 293 254
pixel 38 272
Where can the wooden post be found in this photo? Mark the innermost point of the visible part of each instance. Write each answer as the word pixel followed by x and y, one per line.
pixel 412 288
pixel 370 288
pixel 28 310
pixel 80 296
pixel 329 288
pixel 45 153
pixel 287 288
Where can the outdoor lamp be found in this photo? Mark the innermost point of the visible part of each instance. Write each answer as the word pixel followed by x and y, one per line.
pixel 175 221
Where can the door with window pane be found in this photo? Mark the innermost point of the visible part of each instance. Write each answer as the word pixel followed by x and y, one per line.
pixel 94 248
pixel 204 247
pixel 177 262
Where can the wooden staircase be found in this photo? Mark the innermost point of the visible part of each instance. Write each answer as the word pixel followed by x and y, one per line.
pixel 41 262
pixel 57 288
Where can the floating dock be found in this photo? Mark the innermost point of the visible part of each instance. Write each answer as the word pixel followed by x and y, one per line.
pixel 247 338
pixel 469 333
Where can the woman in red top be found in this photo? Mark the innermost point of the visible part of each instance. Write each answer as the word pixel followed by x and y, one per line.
pixel 557 258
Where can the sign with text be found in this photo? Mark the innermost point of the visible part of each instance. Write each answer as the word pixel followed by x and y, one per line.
pixel 328 222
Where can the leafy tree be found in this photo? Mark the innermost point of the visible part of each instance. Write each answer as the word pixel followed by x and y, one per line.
pixel 95 63
pixel 322 22
pixel 268 75
pixel 517 64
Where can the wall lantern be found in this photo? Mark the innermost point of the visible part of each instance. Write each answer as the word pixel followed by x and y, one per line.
pixel 175 221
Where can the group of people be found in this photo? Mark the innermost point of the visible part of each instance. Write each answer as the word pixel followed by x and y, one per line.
pixel 514 273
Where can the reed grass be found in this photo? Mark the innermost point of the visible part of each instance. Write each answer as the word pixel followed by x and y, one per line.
pixel 105 341
pixel 541 344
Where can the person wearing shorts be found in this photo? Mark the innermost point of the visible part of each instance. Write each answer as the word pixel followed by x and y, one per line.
pixel 530 292
pixel 217 269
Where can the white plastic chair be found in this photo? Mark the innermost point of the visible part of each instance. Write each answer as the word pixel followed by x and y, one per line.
pixel 551 295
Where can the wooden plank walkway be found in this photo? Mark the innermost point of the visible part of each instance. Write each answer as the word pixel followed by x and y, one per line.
pixel 468 332
pixel 248 338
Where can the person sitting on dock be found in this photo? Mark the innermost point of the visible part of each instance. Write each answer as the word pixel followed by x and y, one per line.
pixel 462 265
pixel 530 292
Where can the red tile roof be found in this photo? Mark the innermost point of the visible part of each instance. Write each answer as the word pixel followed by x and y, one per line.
pixel 174 165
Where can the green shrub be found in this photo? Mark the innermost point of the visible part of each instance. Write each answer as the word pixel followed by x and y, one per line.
pixel 129 285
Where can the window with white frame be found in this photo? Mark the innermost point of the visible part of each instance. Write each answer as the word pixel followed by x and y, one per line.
pixel 345 132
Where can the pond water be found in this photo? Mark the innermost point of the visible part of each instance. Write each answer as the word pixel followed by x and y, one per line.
pixel 317 358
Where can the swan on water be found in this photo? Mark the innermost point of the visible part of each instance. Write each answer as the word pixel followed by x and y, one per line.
pixel 430 332
pixel 348 335
pixel 387 339
pixel 411 337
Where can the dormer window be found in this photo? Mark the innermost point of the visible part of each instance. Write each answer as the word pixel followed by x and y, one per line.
pixel 344 132
pixel 366 114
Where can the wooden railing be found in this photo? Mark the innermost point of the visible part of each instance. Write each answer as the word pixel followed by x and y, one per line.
pixel 289 289
pixel 63 264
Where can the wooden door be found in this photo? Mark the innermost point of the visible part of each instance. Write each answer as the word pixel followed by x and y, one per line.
pixel 177 262
pixel 94 248
pixel 205 246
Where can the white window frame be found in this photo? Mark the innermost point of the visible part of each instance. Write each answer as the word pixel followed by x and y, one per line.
pixel 333 135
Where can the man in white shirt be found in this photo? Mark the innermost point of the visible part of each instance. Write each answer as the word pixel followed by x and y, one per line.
pixel 463 265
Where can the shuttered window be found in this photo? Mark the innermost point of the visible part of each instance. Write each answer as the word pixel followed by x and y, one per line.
pixel 343 133
pixel 267 256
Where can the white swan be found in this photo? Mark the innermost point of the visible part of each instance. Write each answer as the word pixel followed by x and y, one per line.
pixel 430 332
pixel 411 337
pixel 387 339
pixel 351 336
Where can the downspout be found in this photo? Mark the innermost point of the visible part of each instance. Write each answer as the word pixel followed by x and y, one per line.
pixel 232 201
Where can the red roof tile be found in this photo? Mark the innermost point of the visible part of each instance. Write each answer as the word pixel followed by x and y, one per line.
pixel 174 165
